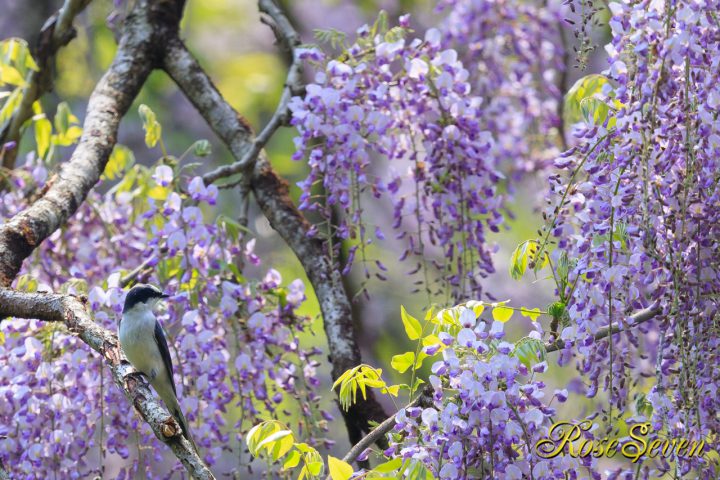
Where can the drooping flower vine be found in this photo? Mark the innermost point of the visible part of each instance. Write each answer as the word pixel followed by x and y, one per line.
pixel 516 60
pixel 638 213
pixel 406 120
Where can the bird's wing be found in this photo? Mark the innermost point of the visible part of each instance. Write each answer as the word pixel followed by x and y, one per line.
pixel 164 352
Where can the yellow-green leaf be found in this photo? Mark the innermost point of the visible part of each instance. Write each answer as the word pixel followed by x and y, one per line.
pixel 476 306
pixel 152 127
pixel 582 102
pixel 9 75
pixel 158 192
pixel 411 324
pixel 292 460
pixel 393 390
pixel 502 313
pixel 533 314
pixel 11 104
pixel 339 470
pixel 315 468
pixel 389 466
pixel 120 160
pixel 403 361
pixel 43 132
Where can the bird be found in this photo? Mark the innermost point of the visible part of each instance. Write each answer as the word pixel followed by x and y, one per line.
pixel 142 339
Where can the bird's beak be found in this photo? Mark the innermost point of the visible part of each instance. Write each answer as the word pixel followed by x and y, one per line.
pixel 165 295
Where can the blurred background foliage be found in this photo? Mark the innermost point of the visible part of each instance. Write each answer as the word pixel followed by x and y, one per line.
pixel 239 53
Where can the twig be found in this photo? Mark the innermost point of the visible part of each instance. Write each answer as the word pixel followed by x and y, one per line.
pixel 142 269
pixel 73 312
pixel 385 427
pixel 289 38
pixel 634 320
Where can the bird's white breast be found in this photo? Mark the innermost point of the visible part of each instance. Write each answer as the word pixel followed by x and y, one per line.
pixel 137 339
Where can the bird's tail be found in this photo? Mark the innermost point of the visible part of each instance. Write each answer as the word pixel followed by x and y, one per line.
pixel 172 404
pixel 184 425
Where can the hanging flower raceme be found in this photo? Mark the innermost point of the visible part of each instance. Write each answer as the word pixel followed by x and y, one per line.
pixel 395 118
pixel 516 61
pixel 639 218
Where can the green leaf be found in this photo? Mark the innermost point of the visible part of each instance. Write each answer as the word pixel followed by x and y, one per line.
pixel 582 100
pixel 418 382
pixel 9 75
pixel 529 351
pixel 292 460
pixel 339 470
pixel 158 193
pixel 67 129
pixel 411 324
pixel 360 377
pixel 393 390
pixel 502 313
pixel 416 470
pixel 402 362
pixel 152 127
pixel 232 227
pixel 389 466
pixel 43 132
pixel 202 148
pixel 62 118
pixel 335 38
pixel 120 160
pixel 532 314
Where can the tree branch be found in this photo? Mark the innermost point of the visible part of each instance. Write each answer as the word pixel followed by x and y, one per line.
pixel 73 313
pixel 135 58
pixel 290 40
pixel 272 195
pixel 57 32
pixel 633 321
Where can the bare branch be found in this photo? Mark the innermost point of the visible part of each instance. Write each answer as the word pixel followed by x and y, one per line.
pixel 65 17
pixel 57 32
pixel 381 430
pixel 271 193
pixel 633 321
pixel 73 312
pixel 289 38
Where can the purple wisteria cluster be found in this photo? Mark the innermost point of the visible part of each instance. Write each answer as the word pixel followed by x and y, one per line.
pixel 235 341
pixel 640 215
pixel 488 412
pixel 515 56
pixel 395 118
pixel 407 120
